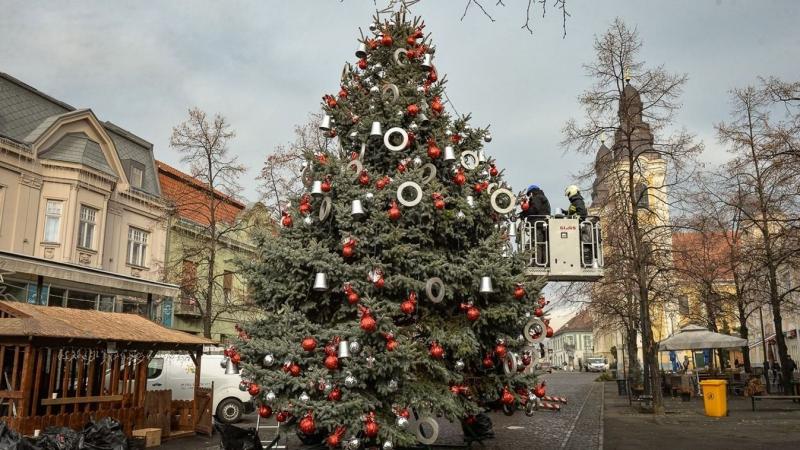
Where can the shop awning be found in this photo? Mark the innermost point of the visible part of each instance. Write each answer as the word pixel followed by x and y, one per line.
pixel 696 337
pixel 114 282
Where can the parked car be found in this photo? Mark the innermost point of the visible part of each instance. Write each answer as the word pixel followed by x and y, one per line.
pixel 544 366
pixel 176 372
pixel 596 364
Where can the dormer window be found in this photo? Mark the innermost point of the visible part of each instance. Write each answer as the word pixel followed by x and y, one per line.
pixel 137 174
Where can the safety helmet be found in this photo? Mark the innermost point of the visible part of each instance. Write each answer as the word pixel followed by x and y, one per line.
pixel 571 190
pixel 531 188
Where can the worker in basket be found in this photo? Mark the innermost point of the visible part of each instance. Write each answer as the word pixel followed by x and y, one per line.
pixel 538 207
pixel 577 207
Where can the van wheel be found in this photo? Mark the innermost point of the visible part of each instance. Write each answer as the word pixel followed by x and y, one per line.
pixel 230 410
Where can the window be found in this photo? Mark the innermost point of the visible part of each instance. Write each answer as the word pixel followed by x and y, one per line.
pixel 137 174
pixel 227 285
pixel 52 221
pixel 189 278
pixel 642 196
pixel 86 227
pixel 137 246
pixel 683 305
pixel 587 342
pixel 154 368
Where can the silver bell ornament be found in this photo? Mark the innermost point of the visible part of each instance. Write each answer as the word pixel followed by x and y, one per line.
pixel 320 282
pixel 388 445
pixel 361 52
pixel 375 131
pixel 268 360
pixel 326 123
pixel 423 120
pixel 304 397
pixel 357 211
pixel 231 368
pixel 344 349
pixel 459 365
pixel 224 362
pixel 471 201
pixel 427 61
pixel 270 396
pixel 487 137
pixel 449 153
pixel 316 188
pixel 350 380
pixel 481 156
pixel 512 230
pixel 355 347
pixel 486 285
pixel 401 422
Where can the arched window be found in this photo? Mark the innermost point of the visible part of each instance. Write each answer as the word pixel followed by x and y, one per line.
pixel 642 196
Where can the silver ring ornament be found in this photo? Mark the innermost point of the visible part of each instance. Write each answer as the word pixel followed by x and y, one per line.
pixel 534 326
pixel 534 352
pixel 387 142
pixel 390 89
pixel 308 176
pixel 427 440
pixel 510 363
pixel 491 187
pixel 356 166
pixel 469 159
pixel 325 208
pixel 361 153
pixel 397 54
pixel 428 173
pixel 439 292
pixel 402 188
pixel 512 201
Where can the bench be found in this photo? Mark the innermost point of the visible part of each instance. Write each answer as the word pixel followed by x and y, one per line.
pixel 793 398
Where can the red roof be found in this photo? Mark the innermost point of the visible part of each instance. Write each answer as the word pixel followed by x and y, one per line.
pixel 703 255
pixel 190 197
pixel 581 322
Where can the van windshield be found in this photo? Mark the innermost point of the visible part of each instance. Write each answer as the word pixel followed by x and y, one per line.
pixel 595 360
pixel 155 368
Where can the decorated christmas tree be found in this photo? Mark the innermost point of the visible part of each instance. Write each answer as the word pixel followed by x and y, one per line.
pixel 392 294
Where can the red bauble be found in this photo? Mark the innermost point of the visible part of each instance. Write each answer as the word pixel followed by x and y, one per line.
pixel 538 312
pixel 539 391
pixel 294 370
pixel 394 212
pixel 307 424
pixel 411 41
pixel 460 178
pixel 371 429
pixel 401 167
pixel 500 350
pixel 309 344
pixel 305 208
pixel 253 389
pixel 436 105
pixel 524 205
pixel 438 203
pixel 343 93
pixel 493 171
pixel 471 420
pixel 473 313
pixel 380 282
pixel 372 44
pixel 326 186
pixel 386 40
pixel 507 398
pixel 412 110
pixel 353 298
pixel 519 292
pixel 227 352
pixel 456 138
pixel 348 251
pixel 236 358
pixel 265 411
pixel 391 345
pixel 488 362
pixel 433 150
pixel 333 440
pixel 331 362
pixel 380 184
pixel 282 416
pixel 335 395
pixel 331 101
pixel 362 63
pixel 433 75
pixel 286 221
pixel 408 307
pixel 549 331
pixel 363 179
pixel 368 323
pixel 478 188
pixel 436 351
pixel 527 359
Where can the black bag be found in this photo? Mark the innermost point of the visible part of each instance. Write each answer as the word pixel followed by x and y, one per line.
pixel 235 438
pixel 58 438
pixel 11 440
pixel 105 434
pixel 479 430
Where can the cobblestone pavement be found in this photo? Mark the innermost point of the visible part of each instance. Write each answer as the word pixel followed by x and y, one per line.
pixel 576 426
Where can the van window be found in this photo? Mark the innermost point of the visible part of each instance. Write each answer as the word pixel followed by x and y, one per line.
pixel 155 368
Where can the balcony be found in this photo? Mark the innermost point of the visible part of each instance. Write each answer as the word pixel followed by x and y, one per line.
pixel 187 307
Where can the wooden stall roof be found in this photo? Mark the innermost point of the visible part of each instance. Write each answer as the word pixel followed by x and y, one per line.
pixel 49 322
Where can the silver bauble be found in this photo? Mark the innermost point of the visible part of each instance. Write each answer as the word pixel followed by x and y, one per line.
pixel 400 113
pixel 413 126
pixel 420 89
pixel 223 362
pixel 402 422
pixel 460 365
pixel 369 196
pixel 353 135
pixel 304 397
pixel 352 444
pixel 448 132
pixel 417 161
pixel 350 381
pixel 378 66
pixel 487 137
pixel 354 347
pixel 307 220
pixel 388 445
pixel 269 360
pixel 392 386
pixel 374 89
pixel 270 396
pixel 460 215
pixel 373 27
pixel 467 127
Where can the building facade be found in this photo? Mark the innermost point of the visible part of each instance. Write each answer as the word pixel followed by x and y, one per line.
pixel 573 342
pixel 81 216
pixel 189 254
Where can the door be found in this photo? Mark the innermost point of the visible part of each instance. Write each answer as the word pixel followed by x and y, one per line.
pixel 204 398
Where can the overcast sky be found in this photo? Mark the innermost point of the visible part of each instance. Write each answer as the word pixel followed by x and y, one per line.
pixel 266 64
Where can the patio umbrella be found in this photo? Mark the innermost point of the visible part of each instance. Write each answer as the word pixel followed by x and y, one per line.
pixel 692 337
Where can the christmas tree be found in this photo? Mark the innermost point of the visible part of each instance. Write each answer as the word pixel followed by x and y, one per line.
pixel 392 294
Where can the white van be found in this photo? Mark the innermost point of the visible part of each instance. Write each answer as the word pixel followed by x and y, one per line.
pixel 176 372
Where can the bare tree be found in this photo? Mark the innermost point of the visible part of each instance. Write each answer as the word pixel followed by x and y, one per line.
pixel 635 178
pixel 214 228
pixel 764 170
pixel 281 176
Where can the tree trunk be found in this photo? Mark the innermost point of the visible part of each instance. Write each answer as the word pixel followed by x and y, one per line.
pixel 633 356
pixel 777 319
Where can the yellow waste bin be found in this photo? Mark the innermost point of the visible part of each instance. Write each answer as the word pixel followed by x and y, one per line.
pixel 715 398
